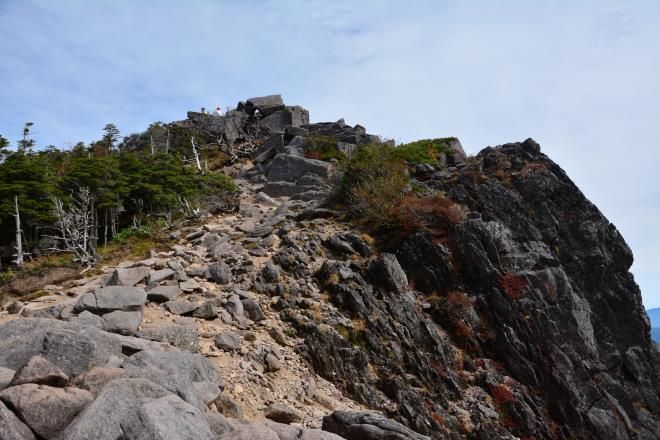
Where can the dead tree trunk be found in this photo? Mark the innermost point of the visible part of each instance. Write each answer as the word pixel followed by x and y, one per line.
pixel 19 235
pixel 167 142
pixel 76 227
pixel 194 148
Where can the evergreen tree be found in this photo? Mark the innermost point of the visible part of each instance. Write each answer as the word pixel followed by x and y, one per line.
pixel 25 145
pixel 110 137
pixel 4 148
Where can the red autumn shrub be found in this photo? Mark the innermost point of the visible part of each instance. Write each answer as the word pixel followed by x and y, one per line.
pixel 513 285
pixel 433 215
pixel 502 394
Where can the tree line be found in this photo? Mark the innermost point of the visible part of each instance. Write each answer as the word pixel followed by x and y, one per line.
pixel 106 186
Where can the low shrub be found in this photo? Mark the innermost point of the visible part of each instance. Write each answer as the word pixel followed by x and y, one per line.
pixel 502 394
pixel 434 215
pixel 373 184
pixel 322 147
pixel 426 151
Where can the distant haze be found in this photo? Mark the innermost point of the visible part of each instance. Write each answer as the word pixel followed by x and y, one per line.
pixel 580 77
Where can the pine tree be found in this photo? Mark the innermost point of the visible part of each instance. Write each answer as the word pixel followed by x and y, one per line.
pixel 4 148
pixel 110 137
pixel 25 145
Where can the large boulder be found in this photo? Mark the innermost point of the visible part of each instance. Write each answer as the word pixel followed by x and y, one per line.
pixel 287 167
pixel 266 104
pixel 11 427
pixel 40 371
pixel 275 431
pixel 71 347
pixel 368 426
pixel 47 410
pixel 125 323
pixel 191 376
pixel 163 293
pixel 387 270
pixel 167 418
pixel 128 276
pixel 101 420
pixel 109 299
pixel 219 272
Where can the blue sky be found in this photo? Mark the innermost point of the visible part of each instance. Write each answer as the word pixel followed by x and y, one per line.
pixel 580 77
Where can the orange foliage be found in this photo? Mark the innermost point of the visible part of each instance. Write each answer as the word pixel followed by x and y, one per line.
pixel 313 155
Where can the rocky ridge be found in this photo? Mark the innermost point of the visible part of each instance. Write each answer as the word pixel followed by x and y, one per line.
pixel 282 320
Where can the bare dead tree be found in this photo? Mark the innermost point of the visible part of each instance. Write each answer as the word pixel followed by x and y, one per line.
pixel 19 236
pixel 167 142
pixel 194 148
pixel 76 227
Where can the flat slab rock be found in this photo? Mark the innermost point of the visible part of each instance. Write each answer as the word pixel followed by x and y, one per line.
pixel 177 335
pixel 109 299
pixel 368 426
pixel 163 293
pixel 128 276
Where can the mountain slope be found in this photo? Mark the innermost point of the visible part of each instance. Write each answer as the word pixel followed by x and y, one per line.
pixel 495 302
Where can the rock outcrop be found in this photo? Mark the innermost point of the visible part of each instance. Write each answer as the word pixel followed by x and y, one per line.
pixel 521 320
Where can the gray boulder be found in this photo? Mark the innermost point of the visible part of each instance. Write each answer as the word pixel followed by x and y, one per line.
pixel 11 427
pixel 206 311
pixel 160 275
pixel 252 310
pixel 368 426
pixel 283 414
pixel 101 420
pixel 270 273
pixel 219 272
pixel 180 307
pixel 88 318
pixel 125 323
pixel 286 189
pixel 71 347
pixel 387 270
pixel 6 376
pixel 235 307
pixel 128 276
pixel 289 168
pixel 95 379
pixel 228 341
pixel 109 299
pixel 167 418
pixel 163 293
pixel 40 371
pixel 180 336
pixel 275 431
pixel 266 104
pixel 191 376
pixel 47 410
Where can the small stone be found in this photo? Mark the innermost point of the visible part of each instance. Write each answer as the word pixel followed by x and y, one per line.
pixel 252 310
pixel 272 363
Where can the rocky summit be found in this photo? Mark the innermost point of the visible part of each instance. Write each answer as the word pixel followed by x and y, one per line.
pixel 486 298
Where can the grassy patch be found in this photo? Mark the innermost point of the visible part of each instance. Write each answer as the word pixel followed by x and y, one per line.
pixel 323 147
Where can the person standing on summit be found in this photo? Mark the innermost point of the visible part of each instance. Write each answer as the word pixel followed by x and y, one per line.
pixel 218 111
